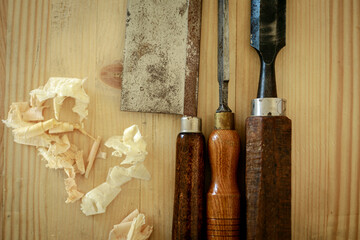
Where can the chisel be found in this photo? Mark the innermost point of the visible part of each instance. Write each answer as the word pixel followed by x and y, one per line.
pixel 189 198
pixel 268 132
pixel 223 198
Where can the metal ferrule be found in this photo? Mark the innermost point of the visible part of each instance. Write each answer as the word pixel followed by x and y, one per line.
pixel 224 120
pixel 268 107
pixel 190 125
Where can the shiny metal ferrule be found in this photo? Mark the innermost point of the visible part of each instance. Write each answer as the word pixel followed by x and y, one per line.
pixel 268 107
pixel 190 125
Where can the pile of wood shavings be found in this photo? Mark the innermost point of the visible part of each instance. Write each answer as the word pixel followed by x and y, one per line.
pixel 50 136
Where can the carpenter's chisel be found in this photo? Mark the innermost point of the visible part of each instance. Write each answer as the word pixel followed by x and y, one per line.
pixel 223 198
pixel 189 200
pixel 268 132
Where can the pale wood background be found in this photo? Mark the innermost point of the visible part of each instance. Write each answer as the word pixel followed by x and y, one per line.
pixel 317 72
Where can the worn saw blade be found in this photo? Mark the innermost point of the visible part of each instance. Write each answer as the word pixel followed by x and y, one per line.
pixel 161 58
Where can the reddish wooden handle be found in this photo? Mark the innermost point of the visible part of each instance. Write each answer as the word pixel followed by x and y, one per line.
pixel 223 198
pixel 268 177
pixel 189 187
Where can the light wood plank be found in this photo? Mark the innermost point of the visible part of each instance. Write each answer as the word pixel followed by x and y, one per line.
pixel 3 38
pixel 317 72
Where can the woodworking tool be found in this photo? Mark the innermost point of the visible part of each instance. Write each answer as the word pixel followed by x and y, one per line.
pixel 268 132
pixel 161 56
pixel 189 202
pixel 223 198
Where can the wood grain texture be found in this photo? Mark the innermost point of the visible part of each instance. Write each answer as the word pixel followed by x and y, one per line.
pixel 317 72
pixel 268 177
pixel 189 198
pixel 223 197
pixel 3 31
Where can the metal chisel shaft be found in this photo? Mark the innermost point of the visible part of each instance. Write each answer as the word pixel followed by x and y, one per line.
pixel 223 198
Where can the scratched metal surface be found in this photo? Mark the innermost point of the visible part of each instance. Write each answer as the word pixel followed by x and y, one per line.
pixel 156 63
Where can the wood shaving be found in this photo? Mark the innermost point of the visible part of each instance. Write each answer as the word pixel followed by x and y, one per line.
pixel 62 160
pixel 61 127
pixel 116 142
pixel 131 228
pixel 134 157
pixel 58 89
pixel 116 178
pixel 35 129
pixel 132 144
pixel 43 140
pixel 71 189
pixel 101 155
pixel 96 200
pixel 49 136
pixel 33 114
pixel 57 102
pixel 131 216
pixel 15 119
pixel 136 171
pixel 61 145
pixel 79 160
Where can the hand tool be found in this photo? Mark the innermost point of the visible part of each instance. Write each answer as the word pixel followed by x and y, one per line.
pixel 189 199
pixel 161 57
pixel 268 132
pixel 223 198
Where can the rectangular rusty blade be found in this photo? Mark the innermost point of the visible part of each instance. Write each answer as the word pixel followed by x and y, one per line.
pixel 161 59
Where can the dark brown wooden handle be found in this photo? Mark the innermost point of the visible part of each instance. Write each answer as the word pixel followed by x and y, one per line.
pixel 189 199
pixel 223 198
pixel 268 177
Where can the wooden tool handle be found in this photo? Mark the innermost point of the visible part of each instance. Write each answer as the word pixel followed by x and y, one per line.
pixel 223 198
pixel 268 177
pixel 189 187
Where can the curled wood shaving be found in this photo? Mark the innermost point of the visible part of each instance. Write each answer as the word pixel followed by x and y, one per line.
pixel 57 102
pixel 132 144
pixel 96 200
pixel 33 114
pixel 34 130
pixel 71 189
pixel 131 228
pixel 15 119
pixel 101 155
pixel 58 88
pixel 61 127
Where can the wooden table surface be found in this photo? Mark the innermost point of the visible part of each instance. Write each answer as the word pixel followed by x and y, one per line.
pixel 317 72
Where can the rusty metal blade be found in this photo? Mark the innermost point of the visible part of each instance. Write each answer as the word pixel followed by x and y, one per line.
pixel 223 55
pixel 161 58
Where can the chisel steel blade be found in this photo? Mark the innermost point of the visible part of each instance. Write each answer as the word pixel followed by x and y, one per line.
pixel 223 55
pixel 268 27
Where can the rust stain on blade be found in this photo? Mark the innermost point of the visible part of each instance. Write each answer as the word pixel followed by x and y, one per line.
pixel 192 59
pixel 161 62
